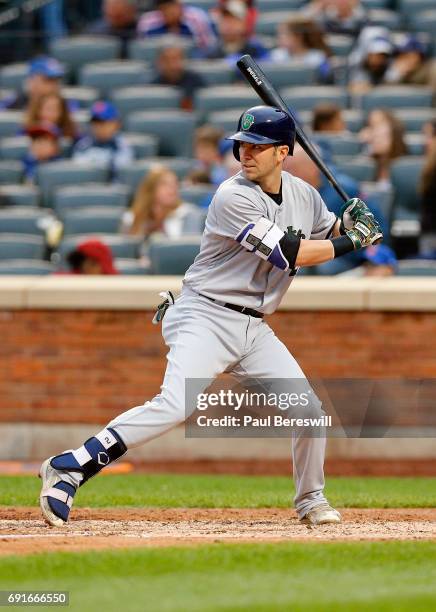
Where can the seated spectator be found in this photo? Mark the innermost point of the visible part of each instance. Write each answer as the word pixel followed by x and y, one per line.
pixel 411 65
pixel 91 257
pixel 427 189
pixel 119 19
pixel 44 77
pixel 235 37
pixel 44 147
pixel 174 17
pixel 378 260
pixel 372 67
pixel 301 38
pixel 384 139
pixel 171 70
pixel 52 108
pixel 207 152
pixel 104 145
pixel 157 206
pixel 251 15
pixel 339 16
pixel 328 118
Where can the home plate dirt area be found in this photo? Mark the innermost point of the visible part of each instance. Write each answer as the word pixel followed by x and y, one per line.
pixel 22 530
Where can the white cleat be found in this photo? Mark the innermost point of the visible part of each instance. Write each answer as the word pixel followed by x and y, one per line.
pixel 323 514
pixel 62 500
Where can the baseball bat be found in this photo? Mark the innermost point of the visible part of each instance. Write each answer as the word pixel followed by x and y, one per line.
pixel 266 91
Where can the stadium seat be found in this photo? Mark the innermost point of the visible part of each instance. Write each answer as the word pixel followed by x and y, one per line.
pixel 206 5
pixel 340 144
pixel 19 195
pixel 399 96
pixel 359 168
pixel 81 118
pixel 12 76
pixel 11 122
pixel 76 51
pixel 424 21
pixel 19 246
pixel 144 145
pixel 14 147
pixel 10 172
pixel 405 175
pixel 372 191
pixel 173 256
pixel 263 6
pixel 74 197
pixel 22 220
pixel 93 220
pixel 226 120
pixel 146 97
pixel 375 4
pixel 83 96
pixel 413 7
pixel 197 194
pixel 340 44
pixel 60 173
pixel 305 98
pixel 292 72
pixel 193 223
pixel 147 49
pixel 131 267
pixel 385 18
pixel 415 118
pixel 6 95
pixel 174 129
pixel 354 119
pixel 121 246
pixel 222 97
pixel 26 267
pixel 214 72
pixel 268 21
pixel 109 76
pixel 415 144
pixel 416 267
pixel 135 172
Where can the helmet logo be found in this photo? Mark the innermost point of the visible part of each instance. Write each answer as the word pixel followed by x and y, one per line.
pixel 247 121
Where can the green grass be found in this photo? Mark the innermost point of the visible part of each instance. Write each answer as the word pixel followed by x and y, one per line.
pixel 381 576
pixel 212 491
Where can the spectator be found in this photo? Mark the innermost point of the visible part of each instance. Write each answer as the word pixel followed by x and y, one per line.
pixel 384 139
pixel 91 257
pixel 171 70
pixel 44 147
pixel 427 188
pixel 375 58
pixel 104 145
pixel 173 17
pixel 328 118
pixel 52 108
pixel 339 16
pixel 44 77
pixel 120 18
pixel 157 206
pixel 207 152
pixel 251 15
pixel 378 260
pixel 235 36
pixel 301 38
pixel 411 66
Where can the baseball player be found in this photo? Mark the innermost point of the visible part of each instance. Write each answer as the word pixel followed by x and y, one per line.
pixel 262 225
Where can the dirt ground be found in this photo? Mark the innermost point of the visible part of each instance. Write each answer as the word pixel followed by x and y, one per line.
pixel 22 531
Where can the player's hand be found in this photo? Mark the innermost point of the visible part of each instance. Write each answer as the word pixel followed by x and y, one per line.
pixel 359 224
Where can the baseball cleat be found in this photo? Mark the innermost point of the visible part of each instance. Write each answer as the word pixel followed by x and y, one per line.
pixel 323 514
pixel 56 496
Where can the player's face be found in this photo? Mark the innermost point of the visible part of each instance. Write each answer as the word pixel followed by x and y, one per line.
pixel 260 160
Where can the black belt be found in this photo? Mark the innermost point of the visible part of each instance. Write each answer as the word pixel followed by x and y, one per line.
pixel 250 312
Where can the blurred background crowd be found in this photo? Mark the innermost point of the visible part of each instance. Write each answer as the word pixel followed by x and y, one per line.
pixel 114 113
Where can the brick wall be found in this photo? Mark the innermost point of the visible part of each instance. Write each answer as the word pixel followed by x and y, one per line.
pixel 87 366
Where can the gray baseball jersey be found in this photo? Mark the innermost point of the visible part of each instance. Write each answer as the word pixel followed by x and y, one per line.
pixel 225 270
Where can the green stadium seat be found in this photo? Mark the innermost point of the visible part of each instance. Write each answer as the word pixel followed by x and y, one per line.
pixel 86 195
pixel 383 196
pixel 19 246
pixel 375 4
pixel 147 49
pixel 144 145
pixel 405 176
pixel 424 21
pixel 193 222
pixel 19 195
pixel 11 122
pixel 135 172
pixel 22 220
pixel 359 168
pixel 146 97
pixel 131 267
pixel 76 51
pixel 292 72
pixel 10 172
pixel 413 7
pixel 340 144
pixel 222 97
pixel 226 120
pixel 268 21
pixel 60 173
pixel 206 5
pixel 416 267
pixel 340 44
pixel 264 6
pixel 354 119
pixel 121 246
pixel 14 147
pixel 93 220
pixel 197 194
pixel 174 129
pixel 398 96
pixel 173 256
pixel 83 96
pixel 305 98
pixel 26 267
pixel 415 118
pixel 12 76
pixel 109 76
pixel 385 18
pixel 415 144
pixel 214 72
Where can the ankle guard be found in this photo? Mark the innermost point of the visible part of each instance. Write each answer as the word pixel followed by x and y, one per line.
pixel 97 452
